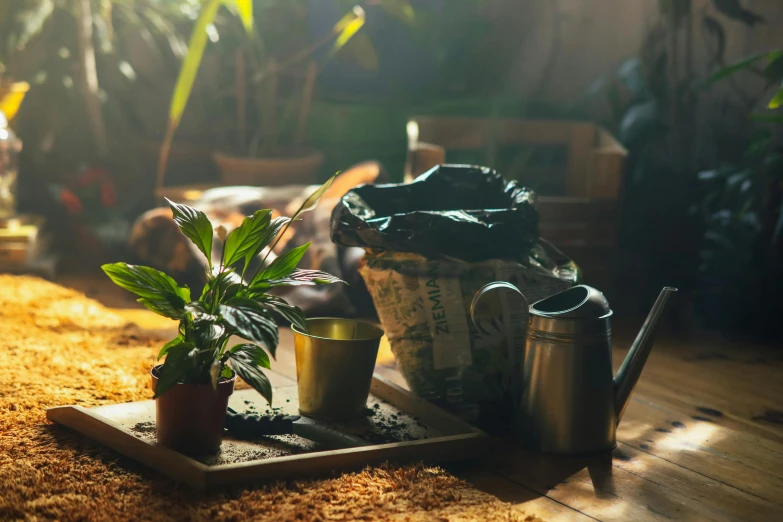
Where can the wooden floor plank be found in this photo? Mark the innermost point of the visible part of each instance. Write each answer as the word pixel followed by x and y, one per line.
pixel 525 500
pixel 740 383
pixel 707 494
pixel 706 448
pixel 737 411
pixel 632 485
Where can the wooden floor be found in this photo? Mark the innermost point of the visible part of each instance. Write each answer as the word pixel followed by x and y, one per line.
pixel 701 440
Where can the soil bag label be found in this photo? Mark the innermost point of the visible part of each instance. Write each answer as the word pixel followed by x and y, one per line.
pixel 446 318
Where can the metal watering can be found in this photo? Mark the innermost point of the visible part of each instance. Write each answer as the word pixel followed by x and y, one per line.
pixel 568 401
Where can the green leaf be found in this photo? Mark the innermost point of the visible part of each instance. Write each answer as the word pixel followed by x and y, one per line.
pixel 161 307
pixel 309 204
pixel 158 292
pixel 363 51
pixel 312 200
pixel 284 265
pixel 292 314
pixel 252 353
pixel 207 332
pixel 198 312
pixel 767 118
pixel 347 27
pixel 166 347
pixel 180 361
pixel 245 239
pixel 195 225
pixel 190 66
pixel 251 321
pixel 774 69
pixel 227 372
pixel 245 11
pixel 275 230
pixel 732 69
pixel 224 285
pixel 246 366
pixel 777 100
pixel 298 278
pixel 401 10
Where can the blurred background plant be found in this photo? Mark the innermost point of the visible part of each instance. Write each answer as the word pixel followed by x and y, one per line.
pixel 712 232
pixel 271 79
pixel 741 209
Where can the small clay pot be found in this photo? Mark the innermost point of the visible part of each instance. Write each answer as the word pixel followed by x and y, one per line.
pixel 190 418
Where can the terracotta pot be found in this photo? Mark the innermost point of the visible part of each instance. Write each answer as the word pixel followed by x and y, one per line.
pixel 297 168
pixel 190 418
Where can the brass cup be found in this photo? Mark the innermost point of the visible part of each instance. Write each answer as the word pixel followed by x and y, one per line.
pixel 335 360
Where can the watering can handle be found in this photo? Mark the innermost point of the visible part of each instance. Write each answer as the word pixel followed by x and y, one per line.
pixel 517 317
pixel 489 288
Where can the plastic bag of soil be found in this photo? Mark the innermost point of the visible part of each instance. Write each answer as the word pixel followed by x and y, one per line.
pixel 431 245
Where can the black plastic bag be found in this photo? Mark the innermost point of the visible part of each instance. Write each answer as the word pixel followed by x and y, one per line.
pixel 459 211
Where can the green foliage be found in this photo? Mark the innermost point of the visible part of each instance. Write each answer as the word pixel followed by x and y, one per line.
pixel 195 225
pixel 265 67
pixel 248 239
pixel 228 305
pixel 187 75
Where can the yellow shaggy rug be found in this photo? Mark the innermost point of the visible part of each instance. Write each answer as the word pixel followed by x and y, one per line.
pixel 58 347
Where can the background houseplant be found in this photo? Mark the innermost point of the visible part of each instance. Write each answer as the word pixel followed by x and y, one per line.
pixel 275 58
pixel 189 416
pixel 91 66
pixel 673 127
pixel 741 210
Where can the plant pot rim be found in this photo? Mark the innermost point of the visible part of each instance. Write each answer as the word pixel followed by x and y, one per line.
pixel 223 380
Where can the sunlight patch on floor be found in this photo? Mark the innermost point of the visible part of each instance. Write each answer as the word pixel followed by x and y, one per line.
pixel 691 438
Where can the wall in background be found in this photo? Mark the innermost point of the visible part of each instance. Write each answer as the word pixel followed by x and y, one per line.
pixel 570 43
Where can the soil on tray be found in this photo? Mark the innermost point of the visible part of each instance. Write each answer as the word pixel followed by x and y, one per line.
pixel 143 428
pixel 233 451
pixel 383 424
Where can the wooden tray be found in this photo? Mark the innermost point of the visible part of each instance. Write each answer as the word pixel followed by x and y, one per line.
pixel 421 431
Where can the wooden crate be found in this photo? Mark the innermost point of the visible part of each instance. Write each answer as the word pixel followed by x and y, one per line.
pixel 594 159
pixel 585 209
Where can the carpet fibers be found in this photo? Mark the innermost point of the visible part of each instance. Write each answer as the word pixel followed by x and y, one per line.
pixel 58 347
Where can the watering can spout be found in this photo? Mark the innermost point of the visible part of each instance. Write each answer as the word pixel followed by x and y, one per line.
pixel 633 364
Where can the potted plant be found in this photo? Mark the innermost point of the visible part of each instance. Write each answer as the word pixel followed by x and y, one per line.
pixel 271 88
pixel 192 386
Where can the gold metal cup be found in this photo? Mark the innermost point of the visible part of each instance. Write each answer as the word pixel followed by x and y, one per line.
pixel 335 360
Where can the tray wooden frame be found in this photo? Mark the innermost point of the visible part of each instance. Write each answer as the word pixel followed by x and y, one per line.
pixel 458 440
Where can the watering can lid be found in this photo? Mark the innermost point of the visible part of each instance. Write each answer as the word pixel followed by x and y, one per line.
pixel 579 302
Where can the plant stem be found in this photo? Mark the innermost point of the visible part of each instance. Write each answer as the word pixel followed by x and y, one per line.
pixel 240 82
pixel 271 140
pixel 307 96
pixel 88 74
pixel 164 156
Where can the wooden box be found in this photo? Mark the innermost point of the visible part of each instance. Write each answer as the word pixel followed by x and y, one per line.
pixel 592 160
pixel 578 190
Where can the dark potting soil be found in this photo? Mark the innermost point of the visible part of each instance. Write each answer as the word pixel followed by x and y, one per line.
pixel 144 428
pixel 383 424
pixel 233 451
